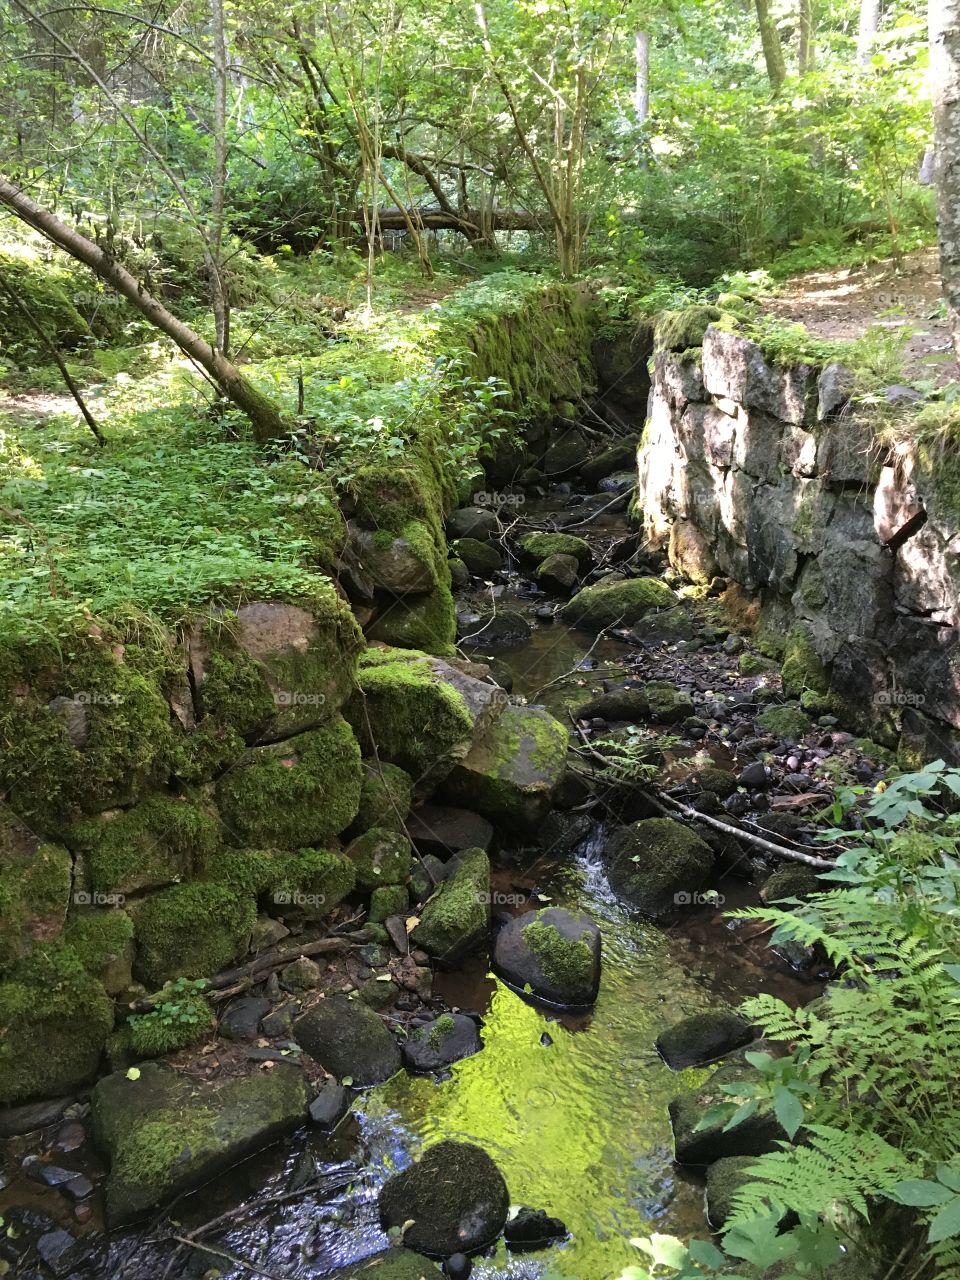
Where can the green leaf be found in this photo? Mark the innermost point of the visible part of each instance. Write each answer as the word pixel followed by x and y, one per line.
pixel 706 1252
pixel 742 1113
pixel 788 1109
pixel 920 1193
pixel 947 1222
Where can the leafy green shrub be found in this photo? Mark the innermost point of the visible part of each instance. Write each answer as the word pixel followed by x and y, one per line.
pixel 181 1018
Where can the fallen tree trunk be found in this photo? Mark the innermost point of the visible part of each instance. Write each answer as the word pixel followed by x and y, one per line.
pixel 393 218
pixel 260 409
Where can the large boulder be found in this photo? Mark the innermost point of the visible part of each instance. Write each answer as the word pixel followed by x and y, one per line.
pixel 288 794
pixel 273 669
pixel 473 522
pixel 420 712
pixel 541 546
pixel 702 1038
pixel 513 769
pixel 427 622
pixel 349 1040
pixel 165 1134
pixel 492 628
pixel 191 930
pixel 455 920
pixel 657 864
pixel 440 1042
pixel 623 602
pixel 551 954
pixel 443 829
pixel 454 1199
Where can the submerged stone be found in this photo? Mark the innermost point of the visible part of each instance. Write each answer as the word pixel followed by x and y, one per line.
pixel 532 1229
pixel 756 1135
pixel 165 1134
pixel 552 954
pixel 493 627
pixel 657 864
pixel 702 1038
pixel 454 1198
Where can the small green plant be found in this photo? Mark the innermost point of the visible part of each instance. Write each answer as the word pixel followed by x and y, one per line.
pixel 181 1018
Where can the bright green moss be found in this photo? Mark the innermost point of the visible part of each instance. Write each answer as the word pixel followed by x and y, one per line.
pixel 312 880
pixel 459 912
pixel 390 900
pixel 567 963
pixel 425 622
pixel 789 723
pixel 34 897
pixel 56 1019
pixel 296 793
pixel 802 666
pixel 206 751
pixel 679 330
pixel 235 691
pixel 380 857
pixel 159 841
pixel 99 937
pixel 540 546
pixel 439 1029
pixel 608 604
pixel 181 1018
pixel 190 930
pixel 406 714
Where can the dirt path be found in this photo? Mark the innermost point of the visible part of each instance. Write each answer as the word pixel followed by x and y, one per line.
pixel 845 302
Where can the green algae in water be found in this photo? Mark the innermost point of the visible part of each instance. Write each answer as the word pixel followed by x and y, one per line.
pixel 579 1127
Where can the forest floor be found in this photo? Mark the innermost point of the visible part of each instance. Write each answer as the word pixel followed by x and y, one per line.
pixel 843 303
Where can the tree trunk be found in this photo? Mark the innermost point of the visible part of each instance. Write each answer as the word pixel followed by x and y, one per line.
pixel 867 29
pixel 945 78
pixel 772 49
pixel 806 55
pixel 260 409
pixel 641 93
pixel 218 292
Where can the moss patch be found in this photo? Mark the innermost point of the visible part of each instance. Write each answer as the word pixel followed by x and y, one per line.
pixel 540 546
pixel 565 962
pixel 34 898
pixel 457 916
pixel 802 666
pixel 685 328
pixel 191 930
pixel 386 794
pixel 300 792
pixel 427 623
pixel 789 723
pixel 381 857
pixel 608 604
pixel 390 900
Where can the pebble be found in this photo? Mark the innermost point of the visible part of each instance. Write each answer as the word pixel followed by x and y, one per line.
pixel 78 1188
pixel 754 776
pixel 70 1136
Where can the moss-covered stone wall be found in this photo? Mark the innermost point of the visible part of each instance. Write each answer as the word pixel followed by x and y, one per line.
pixel 771 477
pixel 162 787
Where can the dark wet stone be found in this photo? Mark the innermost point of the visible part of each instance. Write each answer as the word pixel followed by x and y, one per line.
pixel 78 1188
pixel 754 776
pixel 702 1038
pixel 348 1039
pixel 440 1042
pixel 454 1197
pixel 443 830
pixel 241 1020
pixel 554 954
pixel 458 1267
pixel 30 1116
pixel 268 1055
pixel 330 1106
pixel 50 1175
pixel 57 1251
pixel 533 1229
pixel 70 1136
pixel 737 804
pixel 280 1022
pixel 303 1172
pixel 546 1039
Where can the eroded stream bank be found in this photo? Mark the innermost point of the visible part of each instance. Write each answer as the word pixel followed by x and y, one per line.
pixel 573 1109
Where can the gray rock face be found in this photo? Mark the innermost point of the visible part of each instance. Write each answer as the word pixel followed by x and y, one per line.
pixel 438 1043
pixel 444 830
pixel 734 368
pixel 396 565
pixel 552 954
pixel 454 1197
pixel 349 1040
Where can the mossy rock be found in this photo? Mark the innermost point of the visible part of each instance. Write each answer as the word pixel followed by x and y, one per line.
pixel 667 703
pixel 386 796
pixel 273 669
pixel 103 942
pixel 541 546
pixel 788 723
pixel 619 457
pixel 34 899
pixel 427 623
pixel 437 1044
pixel 657 864
pixel 349 1040
pixel 160 841
pixel 381 857
pixel 289 794
pixel 791 881
pixel 482 559
pixel 455 920
pixel 608 604
pixel 702 1038
pixel 452 1200
pixel 45 288
pixel 165 1134
pixel 558 573
pixel 389 900
pixel 417 711
pixel 310 882
pixel 186 1020
pixel 693 1145
pixel 395 1264
pixel 802 666
pixel 751 664
pixel 684 328
pixel 190 930
pixel 513 769
pixel 722 782
pixel 552 955
pixel 407 562
pixel 86 737
pixel 725 1178
pixel 55 1018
